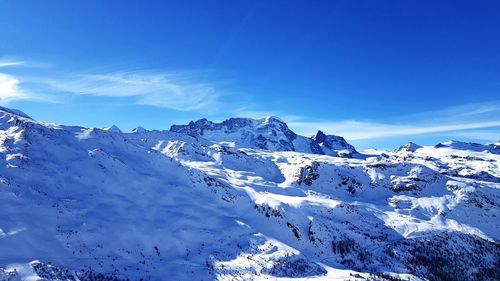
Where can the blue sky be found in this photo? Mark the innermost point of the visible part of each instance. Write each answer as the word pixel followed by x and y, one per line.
pixel 380 73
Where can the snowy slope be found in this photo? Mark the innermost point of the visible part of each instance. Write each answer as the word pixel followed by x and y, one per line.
pixel 239 200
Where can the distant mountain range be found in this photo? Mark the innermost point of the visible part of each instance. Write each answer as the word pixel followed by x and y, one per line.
pixel 243 199
pixel 269 133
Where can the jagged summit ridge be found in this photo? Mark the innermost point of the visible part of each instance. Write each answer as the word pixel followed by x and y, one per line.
pixel 331 144
pixel 231 125
pixel 270 133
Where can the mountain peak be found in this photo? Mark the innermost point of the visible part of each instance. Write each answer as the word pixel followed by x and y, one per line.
pixel 333 145
pixel 199 122
pixel 272 119
pixel 267 133
pixel 319 137
pixel 139 130
pixel 112 128
pixel 409 147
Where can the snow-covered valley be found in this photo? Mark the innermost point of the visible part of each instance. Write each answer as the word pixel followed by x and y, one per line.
pixel 243 199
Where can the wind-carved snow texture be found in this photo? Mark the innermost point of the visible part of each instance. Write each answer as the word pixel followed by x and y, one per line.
pixel 241 200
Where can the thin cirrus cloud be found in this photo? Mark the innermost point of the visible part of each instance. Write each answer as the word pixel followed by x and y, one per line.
pixel 10 63
pixel 356 130
pixel 178 91
pixel 174 91
pixel 461 121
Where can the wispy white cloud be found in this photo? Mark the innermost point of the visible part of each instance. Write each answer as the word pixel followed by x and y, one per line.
pixel 10 63
pixel 13 61
pixel 10 89
pixel 356 130
pixel 174 91
pixel 453 121
pixel 13 88
pixel 471 111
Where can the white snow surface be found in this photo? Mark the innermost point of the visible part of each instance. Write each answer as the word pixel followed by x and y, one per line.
pixel 85 203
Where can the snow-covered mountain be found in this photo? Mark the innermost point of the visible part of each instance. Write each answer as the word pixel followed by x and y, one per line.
pixel 241 200
pixel 268 133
